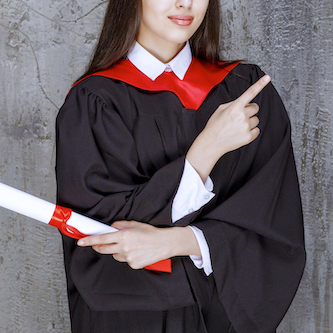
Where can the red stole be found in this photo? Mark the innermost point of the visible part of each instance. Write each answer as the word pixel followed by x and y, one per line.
pixel 200 78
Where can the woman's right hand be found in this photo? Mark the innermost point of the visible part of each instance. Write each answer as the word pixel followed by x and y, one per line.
pixel 231 126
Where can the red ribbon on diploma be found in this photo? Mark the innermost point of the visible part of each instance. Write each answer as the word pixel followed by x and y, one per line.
pixel 59 220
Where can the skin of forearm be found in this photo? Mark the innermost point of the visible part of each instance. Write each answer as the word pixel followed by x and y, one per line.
pixel 201 158
pixel 181 242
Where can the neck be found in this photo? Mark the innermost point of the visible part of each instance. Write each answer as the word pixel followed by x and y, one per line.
pixel 163 54
pixel 164 51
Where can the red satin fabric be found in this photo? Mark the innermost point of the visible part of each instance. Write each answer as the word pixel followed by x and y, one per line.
pixel 59 220
pixel 199 80
pixel 161 266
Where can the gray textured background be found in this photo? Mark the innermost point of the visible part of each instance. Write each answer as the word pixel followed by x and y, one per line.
pixel 44 46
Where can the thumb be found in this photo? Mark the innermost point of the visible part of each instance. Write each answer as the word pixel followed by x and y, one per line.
pixel 121 225
pixel 222 107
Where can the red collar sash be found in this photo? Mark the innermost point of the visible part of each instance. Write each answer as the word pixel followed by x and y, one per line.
pixel 199 80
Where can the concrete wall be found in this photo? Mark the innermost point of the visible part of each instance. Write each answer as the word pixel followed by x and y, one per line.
pixel 44 46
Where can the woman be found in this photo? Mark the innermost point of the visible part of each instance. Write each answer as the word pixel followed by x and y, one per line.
pixel 169 150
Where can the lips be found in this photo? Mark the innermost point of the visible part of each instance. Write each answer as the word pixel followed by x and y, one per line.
pixel 181 19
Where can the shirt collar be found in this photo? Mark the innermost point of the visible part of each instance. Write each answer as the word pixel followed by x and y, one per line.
pixel 152 67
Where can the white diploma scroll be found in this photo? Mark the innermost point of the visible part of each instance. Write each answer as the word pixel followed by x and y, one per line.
pixel 71 224
pixel 41 210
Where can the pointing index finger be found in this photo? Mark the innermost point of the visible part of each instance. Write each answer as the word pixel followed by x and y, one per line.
pixel 254 90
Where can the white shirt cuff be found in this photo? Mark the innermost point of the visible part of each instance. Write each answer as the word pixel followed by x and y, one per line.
pixel 204 260
pixel 192 193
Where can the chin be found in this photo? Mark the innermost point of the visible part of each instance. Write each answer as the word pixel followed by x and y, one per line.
pixel 179 38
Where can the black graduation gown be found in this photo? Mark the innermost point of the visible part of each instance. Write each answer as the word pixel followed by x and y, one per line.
pixel 120 156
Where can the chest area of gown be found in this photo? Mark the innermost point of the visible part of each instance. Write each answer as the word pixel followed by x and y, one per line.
pixel 163 129
pixel 155 125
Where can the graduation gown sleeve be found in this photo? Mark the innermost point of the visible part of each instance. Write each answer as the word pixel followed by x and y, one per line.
pixel 254 226
pixel 99 175
pixel 98 167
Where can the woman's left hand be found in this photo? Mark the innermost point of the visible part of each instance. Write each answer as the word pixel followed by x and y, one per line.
pixel 140 244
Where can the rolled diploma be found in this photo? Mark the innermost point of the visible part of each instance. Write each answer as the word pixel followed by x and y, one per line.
pixel 41 210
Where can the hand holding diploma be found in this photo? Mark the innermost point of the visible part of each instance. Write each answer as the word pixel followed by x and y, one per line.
pixel 140 244
pixel 68 222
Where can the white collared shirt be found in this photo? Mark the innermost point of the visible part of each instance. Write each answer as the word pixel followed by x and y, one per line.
pixel 192 194
pixel 153 68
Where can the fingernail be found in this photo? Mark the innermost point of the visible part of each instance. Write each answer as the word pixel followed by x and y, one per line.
pixel 80 242
pixel 266 78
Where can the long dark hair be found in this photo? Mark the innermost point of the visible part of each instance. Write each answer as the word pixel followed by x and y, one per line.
pixel 121 27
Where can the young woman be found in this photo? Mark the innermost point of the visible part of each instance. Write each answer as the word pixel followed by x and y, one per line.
pixel 167 148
